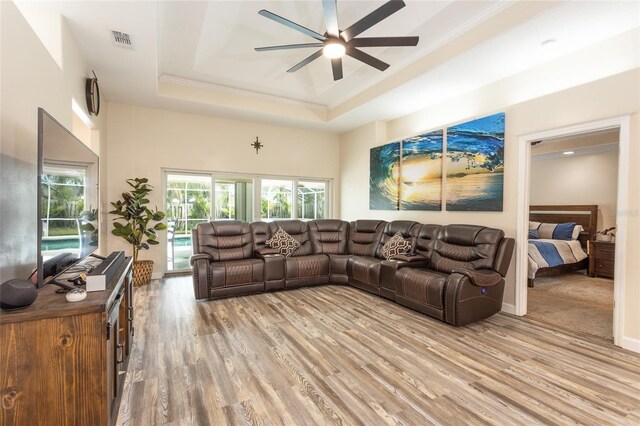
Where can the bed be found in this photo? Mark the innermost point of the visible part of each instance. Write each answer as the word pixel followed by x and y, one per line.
pixel 549 256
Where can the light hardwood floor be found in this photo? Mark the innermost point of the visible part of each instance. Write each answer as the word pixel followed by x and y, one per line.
pixel 336 355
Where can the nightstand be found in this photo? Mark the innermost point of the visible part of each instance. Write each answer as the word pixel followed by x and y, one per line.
pixel 601 258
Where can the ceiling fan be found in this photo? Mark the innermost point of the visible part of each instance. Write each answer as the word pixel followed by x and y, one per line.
pixel 335 43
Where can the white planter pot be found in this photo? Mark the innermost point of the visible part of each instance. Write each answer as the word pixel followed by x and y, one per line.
pixel 607 238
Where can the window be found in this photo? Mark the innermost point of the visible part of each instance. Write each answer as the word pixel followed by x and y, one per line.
pixel 311 200
pixel 234 199
pixel 193 197
pixel 276 200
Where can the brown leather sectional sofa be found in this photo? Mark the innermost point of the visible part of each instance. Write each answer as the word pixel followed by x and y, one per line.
pixel 455 273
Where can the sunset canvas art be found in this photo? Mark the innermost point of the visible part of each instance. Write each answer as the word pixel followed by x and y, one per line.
pixel 421 179
pixel 475 165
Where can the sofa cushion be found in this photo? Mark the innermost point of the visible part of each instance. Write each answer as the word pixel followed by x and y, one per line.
pixel 396 246
pixel 329 236
pixel 223 240
pixel 364 236
pixel 282 241
pixel 465 246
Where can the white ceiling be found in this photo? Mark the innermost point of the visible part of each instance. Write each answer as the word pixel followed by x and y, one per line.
pixel 197 56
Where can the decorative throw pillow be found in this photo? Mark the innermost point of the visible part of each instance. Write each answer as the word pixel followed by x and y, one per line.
pixel 534 234
pixel 282 241
pixel 396 246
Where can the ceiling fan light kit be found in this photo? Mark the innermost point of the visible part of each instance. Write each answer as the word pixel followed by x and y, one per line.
pixel 334 48
pixel 335 43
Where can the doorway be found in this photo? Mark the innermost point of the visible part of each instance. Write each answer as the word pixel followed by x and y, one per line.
pixel 523 202
pixel 573 183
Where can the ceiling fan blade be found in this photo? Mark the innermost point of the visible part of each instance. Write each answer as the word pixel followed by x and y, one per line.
pixel 330 9
pixel 384 41
pixel 292 25
pixel 383 12
pixel 367 59
pixel 307 61
pixel 288 46
pixel 336 67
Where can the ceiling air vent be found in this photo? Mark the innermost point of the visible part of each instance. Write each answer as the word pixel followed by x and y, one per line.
pixel 121 39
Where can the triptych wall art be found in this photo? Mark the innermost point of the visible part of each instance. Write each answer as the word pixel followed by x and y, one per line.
pixel 408 174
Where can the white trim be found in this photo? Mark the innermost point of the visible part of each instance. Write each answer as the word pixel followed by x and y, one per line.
pixel 620 267
pixel 509 308
pixel 630 344
pixel 523 174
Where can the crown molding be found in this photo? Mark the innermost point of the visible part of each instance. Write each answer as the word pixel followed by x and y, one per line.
pixel 179 81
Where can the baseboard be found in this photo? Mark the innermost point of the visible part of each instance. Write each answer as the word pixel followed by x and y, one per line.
pixel 157 276
pixel 509 308
pixel 630 344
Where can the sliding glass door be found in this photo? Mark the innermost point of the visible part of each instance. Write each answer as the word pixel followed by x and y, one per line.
pixel 190 200
pixel 188 203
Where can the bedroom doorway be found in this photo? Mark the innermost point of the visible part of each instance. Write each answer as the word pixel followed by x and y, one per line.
pixel 567 292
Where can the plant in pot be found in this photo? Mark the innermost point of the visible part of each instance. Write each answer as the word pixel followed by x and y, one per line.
pixel 605 234
pixel 138 225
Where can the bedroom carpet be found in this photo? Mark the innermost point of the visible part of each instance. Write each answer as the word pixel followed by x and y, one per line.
pixel 575 302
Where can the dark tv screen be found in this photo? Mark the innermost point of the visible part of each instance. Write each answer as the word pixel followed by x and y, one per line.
pixel 67 198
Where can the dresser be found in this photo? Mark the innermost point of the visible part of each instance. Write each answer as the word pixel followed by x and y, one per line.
pixel 601 258
pixel 64 363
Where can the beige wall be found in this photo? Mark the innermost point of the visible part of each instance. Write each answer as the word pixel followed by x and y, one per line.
pixel 143 141
pixel 31 78
pixel 578 179
pixel 608 97
pixel 632 282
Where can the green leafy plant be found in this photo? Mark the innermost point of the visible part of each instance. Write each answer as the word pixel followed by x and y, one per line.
pixel 134 221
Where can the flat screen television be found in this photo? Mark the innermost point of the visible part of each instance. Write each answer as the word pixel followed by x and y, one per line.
pixel 67 199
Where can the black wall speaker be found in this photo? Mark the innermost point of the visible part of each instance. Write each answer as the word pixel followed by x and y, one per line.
pixel 17 294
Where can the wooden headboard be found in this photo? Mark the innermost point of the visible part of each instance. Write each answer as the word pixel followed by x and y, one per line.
pixel 585 215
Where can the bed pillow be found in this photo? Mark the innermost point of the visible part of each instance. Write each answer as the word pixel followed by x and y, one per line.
pixel 534 225
pixel 564 231
pixel 534 234
pixel 576 232
pixel 557 231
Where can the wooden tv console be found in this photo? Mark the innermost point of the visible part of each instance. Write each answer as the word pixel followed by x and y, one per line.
pixel 63 363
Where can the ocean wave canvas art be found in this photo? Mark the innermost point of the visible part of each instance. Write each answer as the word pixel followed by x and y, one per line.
pixel 475 165
pixel 421 187
pixel 384 174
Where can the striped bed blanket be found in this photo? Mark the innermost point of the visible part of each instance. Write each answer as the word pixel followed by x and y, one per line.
pixel 548 253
